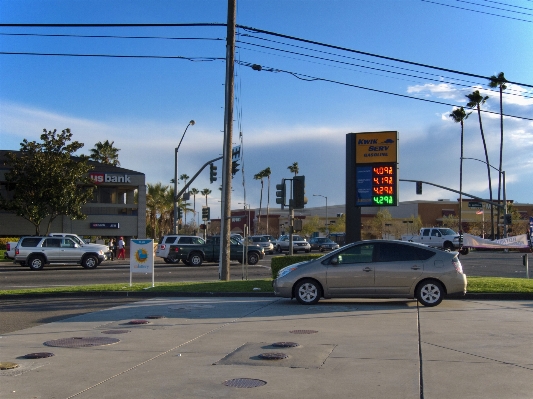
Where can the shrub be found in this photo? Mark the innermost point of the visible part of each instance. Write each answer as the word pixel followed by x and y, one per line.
pixel 279 262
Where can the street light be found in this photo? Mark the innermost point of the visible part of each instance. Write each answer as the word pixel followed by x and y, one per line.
pixel 323 196
pixel 176 178
pixel 502 172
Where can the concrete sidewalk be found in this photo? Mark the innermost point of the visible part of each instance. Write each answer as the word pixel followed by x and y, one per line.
pixel 212 347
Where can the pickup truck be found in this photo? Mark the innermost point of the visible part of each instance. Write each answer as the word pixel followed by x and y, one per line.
pixel 439 237
pixel 209 251
pixel 10 250
pixel 36 251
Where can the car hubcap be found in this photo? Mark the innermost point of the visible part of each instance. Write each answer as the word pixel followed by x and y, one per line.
pixel 307 292
pixel 430 293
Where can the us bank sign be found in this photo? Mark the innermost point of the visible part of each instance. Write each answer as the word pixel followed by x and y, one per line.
pixel 99 178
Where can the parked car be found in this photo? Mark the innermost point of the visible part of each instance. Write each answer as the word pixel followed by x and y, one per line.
pixel 263 242
pixel 38 251
pixel 80 241
pixel 174 239
pixel 299 244
pixel 322 244
pixel 375 269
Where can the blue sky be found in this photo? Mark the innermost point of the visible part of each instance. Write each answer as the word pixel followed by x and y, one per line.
pixel 285 115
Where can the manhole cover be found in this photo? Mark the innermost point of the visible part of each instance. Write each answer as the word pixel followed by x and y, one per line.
pixel 81 342
pixel 244 383
pixel 273 356
pixel 138 322
pixel 303 331
pixel 38 355
pixel 285 344
pixel 155 317
pixel 115 331
pixel 8 365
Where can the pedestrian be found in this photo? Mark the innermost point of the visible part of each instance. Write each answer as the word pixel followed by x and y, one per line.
pixel 113 248
pixel 121 250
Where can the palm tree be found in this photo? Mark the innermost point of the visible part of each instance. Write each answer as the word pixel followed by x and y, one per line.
pixel 476 100
pixel 259 176
pixel 155 200
pixel 105 153
pixel 459 115
pixel 205 192
pixel 267 172
pixel 499 81
pixel 194 191
pixel 294 168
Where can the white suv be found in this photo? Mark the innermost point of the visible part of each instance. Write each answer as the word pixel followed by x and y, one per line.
pixel 166 241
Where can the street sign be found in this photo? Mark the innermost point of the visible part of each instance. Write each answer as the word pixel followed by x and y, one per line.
pixel 472 204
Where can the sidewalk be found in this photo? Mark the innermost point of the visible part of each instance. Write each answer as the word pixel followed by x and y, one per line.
pixel 211 347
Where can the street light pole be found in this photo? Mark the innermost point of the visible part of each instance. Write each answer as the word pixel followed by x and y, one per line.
pixel 327 224
pixel 176 177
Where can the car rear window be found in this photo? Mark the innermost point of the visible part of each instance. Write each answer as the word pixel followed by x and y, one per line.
pixel 169 240
pixel 30 241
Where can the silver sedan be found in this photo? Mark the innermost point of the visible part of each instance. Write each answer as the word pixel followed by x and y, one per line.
pixel 375 269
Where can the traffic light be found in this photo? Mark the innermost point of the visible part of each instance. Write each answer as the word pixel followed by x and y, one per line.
pixel 234 168
pixel 180 213
pixel 281 194
pixel 419 187
pixel 212 173
pixel 298 192
pixel 508 218
pixel 206 213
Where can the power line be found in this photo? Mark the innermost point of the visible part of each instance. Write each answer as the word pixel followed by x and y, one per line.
pixel 109 36
pixel 480 12
pixel 197 59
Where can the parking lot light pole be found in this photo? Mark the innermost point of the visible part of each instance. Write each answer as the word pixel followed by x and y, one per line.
pixel 176 178
pixel 327 225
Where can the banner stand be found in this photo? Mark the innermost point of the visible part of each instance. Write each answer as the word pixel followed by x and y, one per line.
pixel 142 258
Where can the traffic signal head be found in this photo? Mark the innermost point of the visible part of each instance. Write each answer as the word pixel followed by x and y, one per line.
pixel 212 173
pixel 419 187
pixel 206 213
pixel 281 194
pixel 298 192
pixel 234 168
pixel 180 213
pixel 508 218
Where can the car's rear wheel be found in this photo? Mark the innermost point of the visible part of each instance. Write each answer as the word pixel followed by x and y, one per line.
pixel 36 262
pixel 430 293
pixel 253 258
pixel 307 292
pixel 90 262
pixel 448 246
pixel 195 259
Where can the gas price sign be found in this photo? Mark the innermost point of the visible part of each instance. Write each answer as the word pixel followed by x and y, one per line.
pixel 384 187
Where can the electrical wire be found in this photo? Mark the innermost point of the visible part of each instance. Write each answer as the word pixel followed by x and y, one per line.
pixel 109 36
pixel 480 12
pixel 195 59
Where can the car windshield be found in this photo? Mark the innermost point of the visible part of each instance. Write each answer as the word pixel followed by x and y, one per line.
pixel 447 232
pixel 297 238
pixel 323 240
pixel 259 239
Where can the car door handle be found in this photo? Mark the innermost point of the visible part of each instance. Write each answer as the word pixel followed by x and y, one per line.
pixel 415 267
pixel 367 269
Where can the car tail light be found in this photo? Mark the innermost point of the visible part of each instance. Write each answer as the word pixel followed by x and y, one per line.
pixel 16 251
pixel 8 246
pixel 162 246
pixel 457 264
pixel 175 249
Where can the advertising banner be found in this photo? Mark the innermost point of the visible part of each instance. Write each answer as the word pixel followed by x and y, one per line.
pixel 509 242
pixel 142 257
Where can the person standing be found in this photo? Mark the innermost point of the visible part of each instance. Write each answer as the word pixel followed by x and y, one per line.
pixel 121 250
pixel 113 248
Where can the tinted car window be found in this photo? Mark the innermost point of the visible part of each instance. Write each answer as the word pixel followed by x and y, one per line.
pixel 30 241
pixel 170 240
pixel 392 252
pixel 66 243
pixel 52 243
pixel 259 239
pixel 357 254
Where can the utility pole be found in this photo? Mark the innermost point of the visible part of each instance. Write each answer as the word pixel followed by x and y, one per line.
pixel 225 222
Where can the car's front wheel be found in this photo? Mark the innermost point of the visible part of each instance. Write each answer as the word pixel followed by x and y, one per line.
pixel 307 292
pixel 253 258
pixel 36 262
pixel 90 262
pixel 430 293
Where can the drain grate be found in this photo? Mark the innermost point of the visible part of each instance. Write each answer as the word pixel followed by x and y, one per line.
pixel 81 342
pixel 8 365
pixel 285 344
pixel 115 331
pixel 303 332
pixel 244 383
pixel 156 316
pixel 273 356
pixel 136 322
pixel 38 355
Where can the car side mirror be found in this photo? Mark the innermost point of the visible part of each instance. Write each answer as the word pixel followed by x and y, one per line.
pixel 334 261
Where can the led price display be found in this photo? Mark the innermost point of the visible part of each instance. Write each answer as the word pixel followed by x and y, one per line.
pixel 384 187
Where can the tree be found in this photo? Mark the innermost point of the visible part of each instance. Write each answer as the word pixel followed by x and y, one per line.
pixel 260 176
pixel 205 192
pixel 105 153
pixel 459 115
pixel 476 100
pixel 294 168
pixel 378 222
pixel 499 81
pixel 155 203
pixel 45 181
